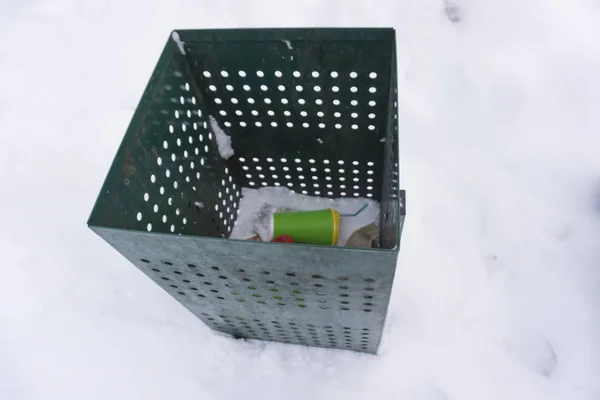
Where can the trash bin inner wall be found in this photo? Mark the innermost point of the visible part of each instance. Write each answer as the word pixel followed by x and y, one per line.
pixel 312 116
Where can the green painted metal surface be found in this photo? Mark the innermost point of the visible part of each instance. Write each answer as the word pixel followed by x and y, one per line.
pixel 314 110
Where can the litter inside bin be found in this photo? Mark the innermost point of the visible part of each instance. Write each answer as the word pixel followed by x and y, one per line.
pixel 255 238
pixel 367 236
pixel 284 239
pixel 258 205
pixel 307 227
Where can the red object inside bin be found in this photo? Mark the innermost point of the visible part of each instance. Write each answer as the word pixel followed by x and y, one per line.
pixel 284 239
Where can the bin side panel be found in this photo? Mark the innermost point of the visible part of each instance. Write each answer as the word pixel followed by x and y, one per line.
pixel 308 295
pixel 392 205
pixel 301 103
pixel 168 175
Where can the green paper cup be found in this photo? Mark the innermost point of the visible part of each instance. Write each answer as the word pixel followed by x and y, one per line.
pixel 308 227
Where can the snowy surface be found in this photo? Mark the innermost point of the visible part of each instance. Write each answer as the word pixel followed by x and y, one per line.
pixel 253 219
pixel 497 289
pixel 223 139
pixel 179 42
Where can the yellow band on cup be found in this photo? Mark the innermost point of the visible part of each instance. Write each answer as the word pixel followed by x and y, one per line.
pixel 335 216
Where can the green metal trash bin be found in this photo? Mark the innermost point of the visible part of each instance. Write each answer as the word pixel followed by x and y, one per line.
pixel 313 110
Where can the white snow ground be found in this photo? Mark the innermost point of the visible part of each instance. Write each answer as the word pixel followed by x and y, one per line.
pixel 496 294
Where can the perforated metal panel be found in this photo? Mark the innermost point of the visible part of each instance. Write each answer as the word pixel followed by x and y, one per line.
pixel 311 295
pixel 311 110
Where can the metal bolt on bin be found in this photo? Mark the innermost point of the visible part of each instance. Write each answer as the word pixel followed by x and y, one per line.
pixel 311 98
